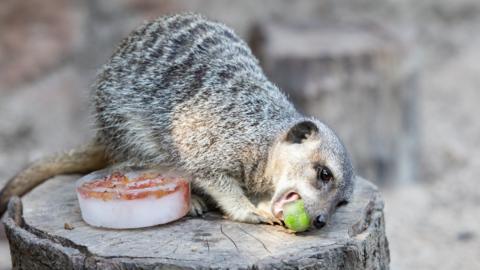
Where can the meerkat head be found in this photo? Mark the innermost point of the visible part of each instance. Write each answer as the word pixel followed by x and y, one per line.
pixel 310 162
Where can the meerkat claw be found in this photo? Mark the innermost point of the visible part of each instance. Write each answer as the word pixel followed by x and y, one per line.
pixel 198 207
pixel 260 216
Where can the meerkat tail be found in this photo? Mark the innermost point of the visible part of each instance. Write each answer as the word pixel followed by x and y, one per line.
pixel 84 159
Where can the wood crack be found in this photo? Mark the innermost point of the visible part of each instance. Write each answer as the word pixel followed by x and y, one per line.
pixel 208 246
pixel 260 241
pixel 228 237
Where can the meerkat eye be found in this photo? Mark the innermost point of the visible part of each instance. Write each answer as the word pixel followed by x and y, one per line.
pixel 324 174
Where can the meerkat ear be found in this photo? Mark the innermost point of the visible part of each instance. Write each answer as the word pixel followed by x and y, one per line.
pixel 301 131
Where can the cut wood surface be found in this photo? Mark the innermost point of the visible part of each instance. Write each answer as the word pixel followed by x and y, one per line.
pixel 50 234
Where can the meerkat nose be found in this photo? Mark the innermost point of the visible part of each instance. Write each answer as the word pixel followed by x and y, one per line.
pixel 320 221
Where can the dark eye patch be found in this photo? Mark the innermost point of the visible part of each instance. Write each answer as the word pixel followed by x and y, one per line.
pixel 324 174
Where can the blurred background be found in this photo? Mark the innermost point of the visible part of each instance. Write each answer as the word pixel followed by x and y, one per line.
pixel 398 79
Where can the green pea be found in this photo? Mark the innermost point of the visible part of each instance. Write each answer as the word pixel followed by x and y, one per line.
pixel 295 216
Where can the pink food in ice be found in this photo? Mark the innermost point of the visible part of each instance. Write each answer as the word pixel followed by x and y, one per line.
pixel 133 199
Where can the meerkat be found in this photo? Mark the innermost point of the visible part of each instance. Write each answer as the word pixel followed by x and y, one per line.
pixel 187 92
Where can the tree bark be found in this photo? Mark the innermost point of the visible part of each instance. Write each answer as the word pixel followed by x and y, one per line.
pixel 46 232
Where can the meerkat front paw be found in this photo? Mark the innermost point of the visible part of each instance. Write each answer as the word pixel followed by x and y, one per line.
pixel 257 216
pixel 198 206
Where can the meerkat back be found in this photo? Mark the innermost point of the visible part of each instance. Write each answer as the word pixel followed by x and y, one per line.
pixel 178 74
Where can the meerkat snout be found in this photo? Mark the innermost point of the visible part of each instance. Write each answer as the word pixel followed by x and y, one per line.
pixel 311 163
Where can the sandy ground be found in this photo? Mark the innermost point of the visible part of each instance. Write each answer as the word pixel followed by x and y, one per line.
pixel 436 224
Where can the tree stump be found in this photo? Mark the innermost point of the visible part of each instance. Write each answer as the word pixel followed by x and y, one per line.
pixel 50 234
pixel 357 78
